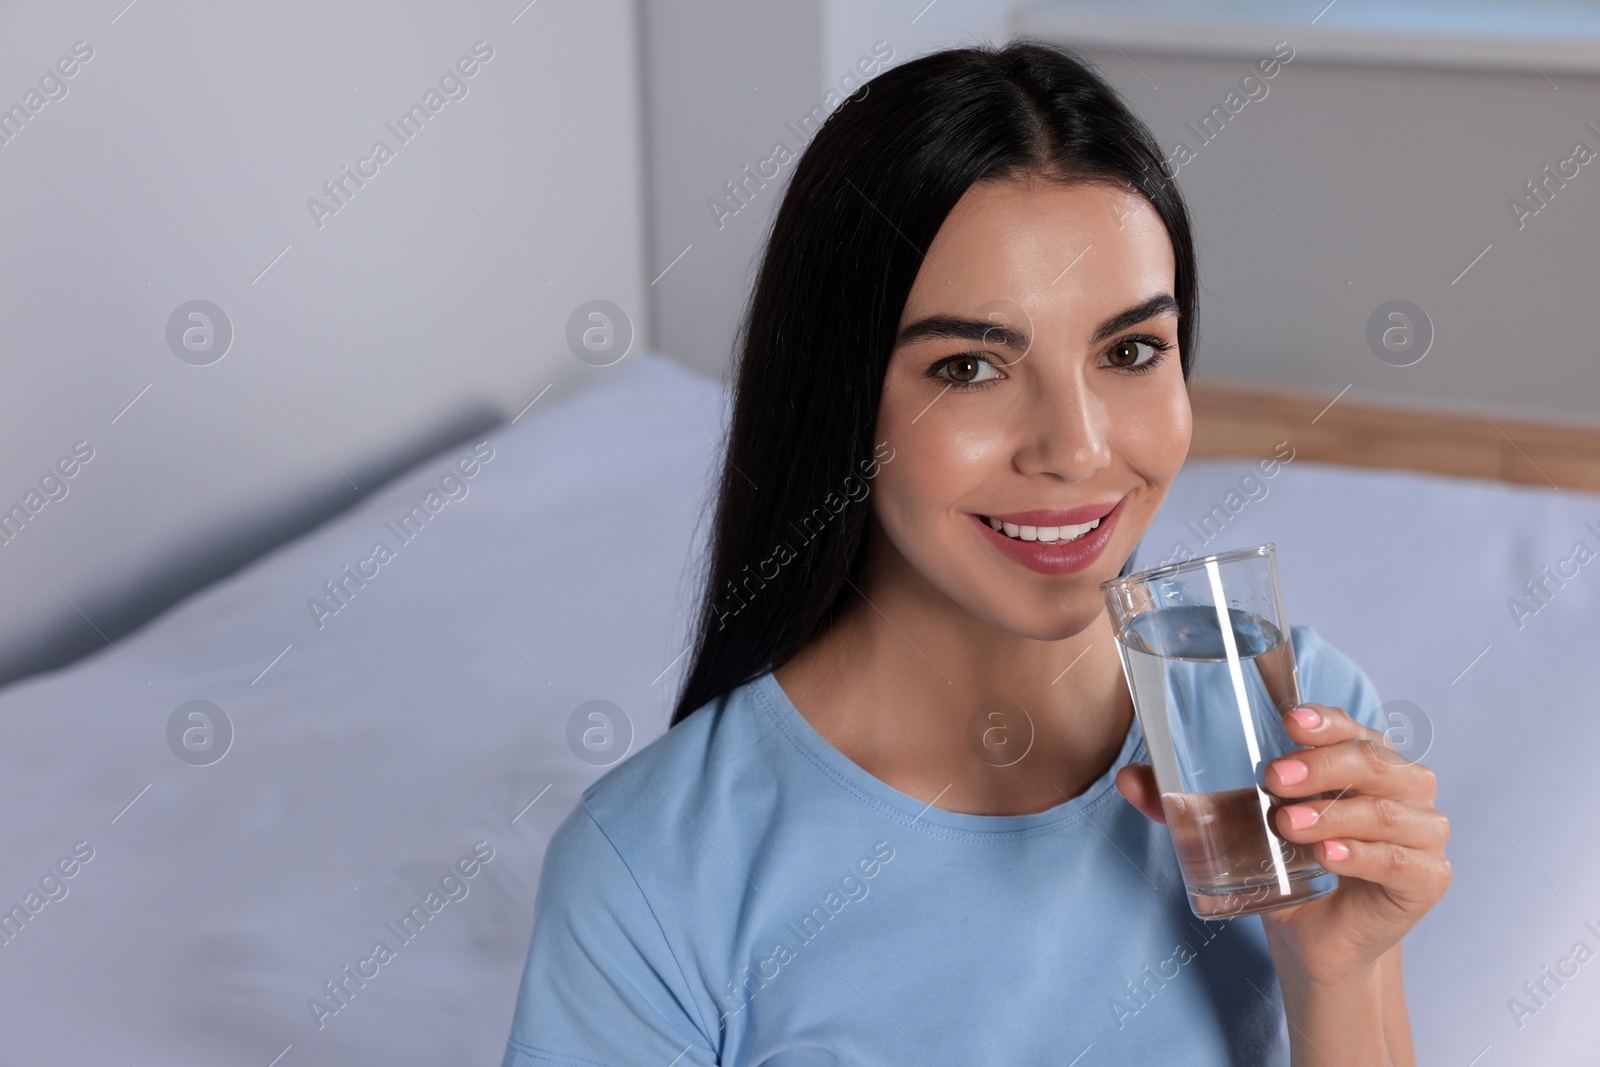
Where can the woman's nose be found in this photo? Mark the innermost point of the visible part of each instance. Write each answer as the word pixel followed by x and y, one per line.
pixel 1066 430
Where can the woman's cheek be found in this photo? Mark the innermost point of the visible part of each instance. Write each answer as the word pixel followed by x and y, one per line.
pixel 980 449
pixel 1180 432
pixel 933 473
pixel 1156 437
pixel 949 444
pixel 917 485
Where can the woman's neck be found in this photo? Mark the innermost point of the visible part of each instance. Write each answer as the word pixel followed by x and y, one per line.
pixel 939 704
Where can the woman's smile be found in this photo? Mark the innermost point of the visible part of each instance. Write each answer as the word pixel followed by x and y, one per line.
pixel 1050 524
pixel 1050 541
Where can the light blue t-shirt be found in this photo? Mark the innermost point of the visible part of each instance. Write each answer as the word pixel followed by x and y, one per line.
pixel 740 892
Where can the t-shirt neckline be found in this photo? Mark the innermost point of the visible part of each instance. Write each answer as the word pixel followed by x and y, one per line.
pixel 908 809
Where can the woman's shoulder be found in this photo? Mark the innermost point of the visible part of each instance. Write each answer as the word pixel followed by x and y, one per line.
pixel 686 751
pixel 605 978
pixel 682 781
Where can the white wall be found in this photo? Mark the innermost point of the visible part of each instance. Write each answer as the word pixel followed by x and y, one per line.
pixel 178 166
pixel 724 83
pixel 914 27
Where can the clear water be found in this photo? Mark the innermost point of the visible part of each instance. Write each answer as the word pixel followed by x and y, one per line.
pixel 1211 728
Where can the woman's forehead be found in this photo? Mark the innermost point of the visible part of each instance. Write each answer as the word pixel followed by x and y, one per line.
pixel 1061 252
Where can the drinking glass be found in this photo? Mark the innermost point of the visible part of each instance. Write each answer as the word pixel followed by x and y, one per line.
pixel 1207 654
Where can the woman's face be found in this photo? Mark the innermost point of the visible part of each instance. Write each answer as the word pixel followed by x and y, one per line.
pixel 1035 381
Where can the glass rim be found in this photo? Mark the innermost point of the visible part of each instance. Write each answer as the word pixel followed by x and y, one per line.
pixel 1267 549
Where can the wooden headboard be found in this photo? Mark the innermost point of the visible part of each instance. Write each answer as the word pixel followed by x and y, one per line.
pixel 1238 420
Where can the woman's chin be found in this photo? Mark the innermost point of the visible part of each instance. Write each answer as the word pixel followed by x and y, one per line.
pixel 1048 625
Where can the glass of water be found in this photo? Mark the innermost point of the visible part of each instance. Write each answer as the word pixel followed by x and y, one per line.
pixel 1207 653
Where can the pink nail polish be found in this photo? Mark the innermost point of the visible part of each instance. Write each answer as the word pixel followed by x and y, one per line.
pixel 1307 717
pixel 1301 816
pixel 1291 771
pixel 1336 850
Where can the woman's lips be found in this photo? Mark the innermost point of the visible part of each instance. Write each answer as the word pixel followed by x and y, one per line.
pixel 1077 516
pixel 1060 558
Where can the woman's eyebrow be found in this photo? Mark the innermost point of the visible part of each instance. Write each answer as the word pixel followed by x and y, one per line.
pixel 1160 304
pixel 959 329
pixel 952 327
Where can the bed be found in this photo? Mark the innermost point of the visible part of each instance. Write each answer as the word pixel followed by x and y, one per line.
pixel 338 746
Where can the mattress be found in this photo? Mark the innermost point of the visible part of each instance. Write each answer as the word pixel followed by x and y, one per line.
pixel 368 735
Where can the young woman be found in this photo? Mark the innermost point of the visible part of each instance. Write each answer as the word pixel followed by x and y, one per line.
pixel 977 304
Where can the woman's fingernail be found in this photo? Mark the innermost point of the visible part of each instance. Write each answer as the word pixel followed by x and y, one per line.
pixel 1291 771
pixel 1307 717
pixel 1301 815
pixel 1336 850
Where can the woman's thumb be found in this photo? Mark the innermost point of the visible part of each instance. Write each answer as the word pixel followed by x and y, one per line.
pixel 1137 783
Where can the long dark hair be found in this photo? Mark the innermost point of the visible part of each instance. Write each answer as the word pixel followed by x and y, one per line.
pixel 862 206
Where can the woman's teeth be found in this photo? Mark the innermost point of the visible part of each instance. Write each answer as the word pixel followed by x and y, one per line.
pixel 1042 533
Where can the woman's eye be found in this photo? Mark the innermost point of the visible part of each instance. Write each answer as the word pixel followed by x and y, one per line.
pixel 1132 353
pixel 968 370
